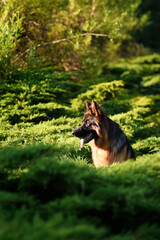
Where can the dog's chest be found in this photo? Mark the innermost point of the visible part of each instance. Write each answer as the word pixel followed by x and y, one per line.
pixel 100 156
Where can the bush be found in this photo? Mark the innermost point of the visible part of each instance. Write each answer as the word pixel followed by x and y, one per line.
pixel 61 198
pixel 98 92
pixel 148 145
pixel 131 78
pixel 10 28
pixel 49 186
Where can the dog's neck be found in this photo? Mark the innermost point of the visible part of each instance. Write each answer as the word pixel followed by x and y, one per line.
pixel 102 156
pixel 100 152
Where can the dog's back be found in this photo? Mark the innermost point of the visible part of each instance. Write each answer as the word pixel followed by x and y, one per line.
pixel 118 140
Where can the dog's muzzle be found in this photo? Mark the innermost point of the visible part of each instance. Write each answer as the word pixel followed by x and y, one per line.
pixel 85 135
pixel 74 132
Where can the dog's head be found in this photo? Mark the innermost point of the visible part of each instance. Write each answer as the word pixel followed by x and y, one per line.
pixel 91 125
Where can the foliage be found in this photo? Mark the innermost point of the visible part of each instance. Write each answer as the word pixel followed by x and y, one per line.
pixel 65 200
pixel 148 35
pixel 49 187
pixel 10 29
pixel 100 92
pixel 148 145
pixel 77 35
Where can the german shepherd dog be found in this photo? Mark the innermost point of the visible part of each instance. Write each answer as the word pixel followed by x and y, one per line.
pixel 108 142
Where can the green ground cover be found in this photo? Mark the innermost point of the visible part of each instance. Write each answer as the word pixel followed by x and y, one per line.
pixel 49 188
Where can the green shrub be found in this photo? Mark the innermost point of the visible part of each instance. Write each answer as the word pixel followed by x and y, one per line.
pixel 149 81
pixel 151 84
pixel 116 200
pixel 10 28
pixel 49 186
pixel 58 228
pixel 145 231
pixel 148 145
pixel 99 92
pixel 131 78
pixel 115 106
pixel 131 120
pixel 134 69
pixel 148 59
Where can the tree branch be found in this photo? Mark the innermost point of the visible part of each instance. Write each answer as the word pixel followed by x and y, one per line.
pixel 70 38
pixel 63 40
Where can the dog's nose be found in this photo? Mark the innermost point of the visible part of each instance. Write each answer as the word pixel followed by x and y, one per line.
pixel 73 132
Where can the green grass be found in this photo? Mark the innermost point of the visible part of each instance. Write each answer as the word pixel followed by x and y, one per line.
pixel 49 188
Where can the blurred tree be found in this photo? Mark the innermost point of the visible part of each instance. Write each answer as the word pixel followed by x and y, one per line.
pixel 77 35
pixel 150 34
pixel 10 30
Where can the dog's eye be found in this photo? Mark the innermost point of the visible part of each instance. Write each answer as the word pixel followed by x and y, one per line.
pixel 87 123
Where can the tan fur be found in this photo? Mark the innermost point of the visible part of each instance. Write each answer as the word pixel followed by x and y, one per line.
pixel 103 156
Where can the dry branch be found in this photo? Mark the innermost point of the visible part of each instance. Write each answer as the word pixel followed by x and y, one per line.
pixel 63 40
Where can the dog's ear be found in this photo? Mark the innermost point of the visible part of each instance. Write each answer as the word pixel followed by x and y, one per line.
pixel 87 105
pixel 97 110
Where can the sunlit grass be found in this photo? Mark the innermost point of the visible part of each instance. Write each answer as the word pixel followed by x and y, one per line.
pixel 49 186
